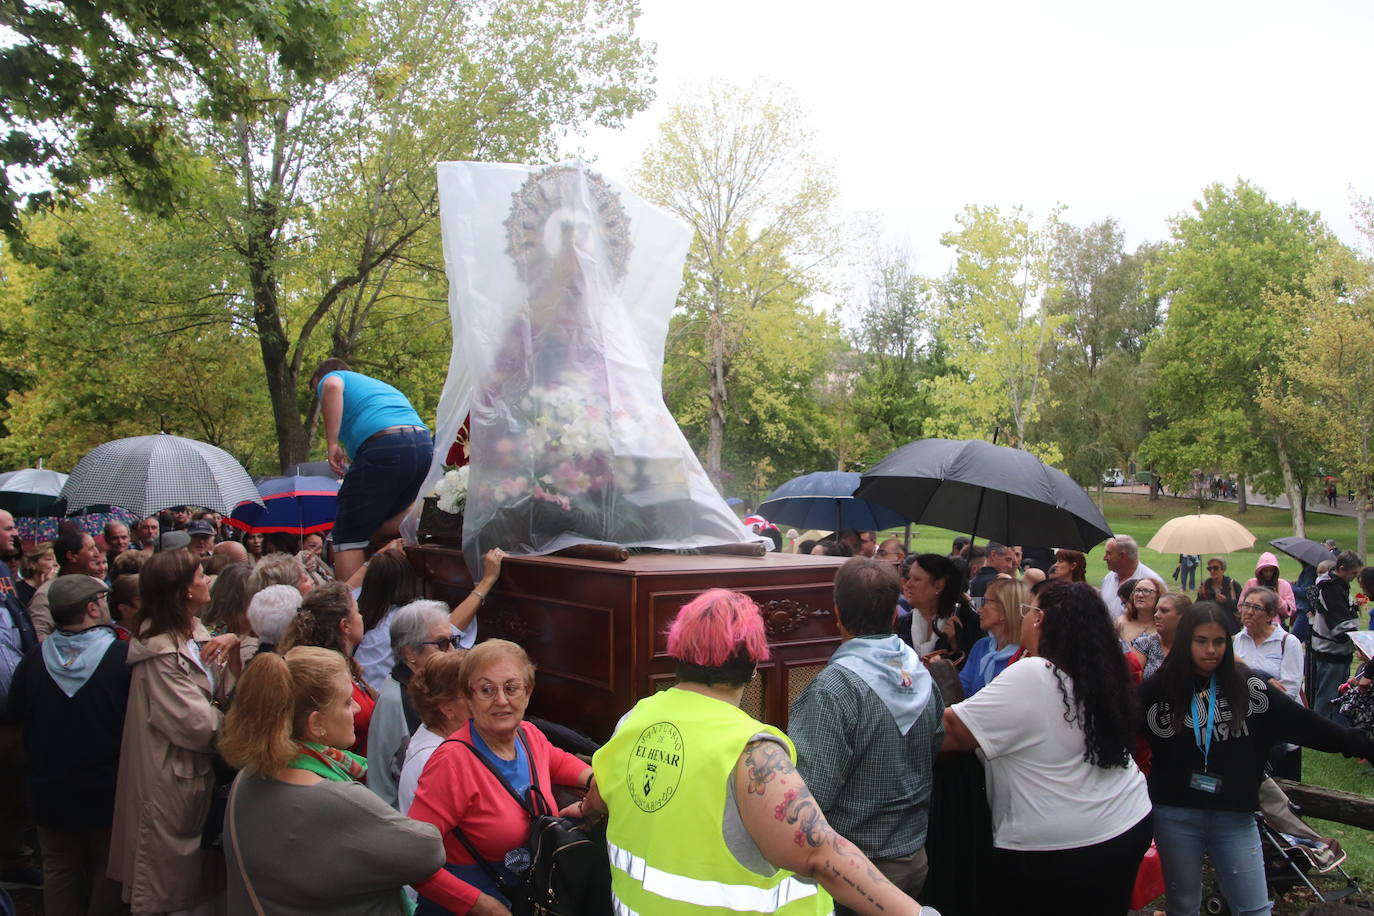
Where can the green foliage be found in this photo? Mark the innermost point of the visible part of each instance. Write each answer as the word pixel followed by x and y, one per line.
pixel 105 356
pixel 1321 386
pixel 1097 416
pixel 312 187
pixel 1234 249
pixel 998 333
pixel 897 354
pixel 101 89
pixel 735 165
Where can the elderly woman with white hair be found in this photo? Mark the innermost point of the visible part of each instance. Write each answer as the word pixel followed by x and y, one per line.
pixel 270 612
pixel 418 630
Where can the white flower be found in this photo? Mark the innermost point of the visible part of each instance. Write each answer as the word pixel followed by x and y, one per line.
pixel 452 490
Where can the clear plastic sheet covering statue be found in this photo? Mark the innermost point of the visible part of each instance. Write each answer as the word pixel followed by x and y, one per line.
pixel 561 284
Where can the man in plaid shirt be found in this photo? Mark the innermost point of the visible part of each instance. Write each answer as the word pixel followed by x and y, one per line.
pixel 867 729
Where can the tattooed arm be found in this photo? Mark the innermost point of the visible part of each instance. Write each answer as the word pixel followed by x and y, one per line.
pixel 785 822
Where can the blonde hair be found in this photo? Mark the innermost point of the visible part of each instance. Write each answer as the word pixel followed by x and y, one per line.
pixel 484 653
pixel 272 703
pixel 1013 595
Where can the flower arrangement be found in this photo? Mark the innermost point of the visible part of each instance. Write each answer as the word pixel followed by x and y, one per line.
pixel 451 491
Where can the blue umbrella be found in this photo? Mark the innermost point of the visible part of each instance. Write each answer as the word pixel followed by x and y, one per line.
pixel 826 500
pixel 297 505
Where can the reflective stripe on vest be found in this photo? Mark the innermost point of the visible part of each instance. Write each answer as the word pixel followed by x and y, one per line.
pixel 743 898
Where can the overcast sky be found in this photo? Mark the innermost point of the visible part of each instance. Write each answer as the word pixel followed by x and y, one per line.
pixel 1110 108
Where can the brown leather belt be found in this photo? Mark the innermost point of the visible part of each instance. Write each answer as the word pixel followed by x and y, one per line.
pixel 391 430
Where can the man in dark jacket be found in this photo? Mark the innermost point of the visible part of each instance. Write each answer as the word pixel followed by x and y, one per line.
pixel 1333 617
pixel 69 697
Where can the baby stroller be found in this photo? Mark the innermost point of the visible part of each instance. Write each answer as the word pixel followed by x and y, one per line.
pixel 1294 854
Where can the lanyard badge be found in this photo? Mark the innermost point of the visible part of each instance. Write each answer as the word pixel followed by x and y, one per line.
pixel 1204 781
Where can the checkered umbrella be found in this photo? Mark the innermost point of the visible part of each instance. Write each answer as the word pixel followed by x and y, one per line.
pixel 145 474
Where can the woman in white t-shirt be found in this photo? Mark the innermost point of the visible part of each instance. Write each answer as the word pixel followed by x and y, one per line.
pixel 436 694
pixel 1070 810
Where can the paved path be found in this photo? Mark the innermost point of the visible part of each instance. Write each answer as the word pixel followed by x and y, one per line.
pixel 1343 507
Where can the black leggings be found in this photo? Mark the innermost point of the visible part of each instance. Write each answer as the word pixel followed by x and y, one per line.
pixel 1086 880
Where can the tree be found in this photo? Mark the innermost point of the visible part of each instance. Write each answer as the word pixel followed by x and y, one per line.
pixel 101 358
pixel 83 87
pixel 897 354
pixel 1233 250
pixel 780 365
pixel 321 192
pixel 996 327
pixel 1097 415
pixel 1321 387
pixel 736 165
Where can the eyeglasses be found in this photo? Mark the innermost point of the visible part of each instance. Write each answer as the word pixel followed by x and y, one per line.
pixel 1252 606
pixel 448 642
pixel 1144 591
pixel 513 690
pixel 1215 568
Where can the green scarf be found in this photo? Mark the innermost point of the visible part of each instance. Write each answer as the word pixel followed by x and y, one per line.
pixel 329 762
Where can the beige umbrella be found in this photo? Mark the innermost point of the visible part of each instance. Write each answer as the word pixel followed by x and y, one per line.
pixel 1201 534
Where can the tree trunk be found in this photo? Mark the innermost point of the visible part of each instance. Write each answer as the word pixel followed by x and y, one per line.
pixel 1241 503
pixel 715 438
pixel 1301 507
pixel 1361 520
pixel 292 445
pixel 1290 489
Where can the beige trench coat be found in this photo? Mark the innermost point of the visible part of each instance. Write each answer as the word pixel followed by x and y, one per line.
pixel 165 780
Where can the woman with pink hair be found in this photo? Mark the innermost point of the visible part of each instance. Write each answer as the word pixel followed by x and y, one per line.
pixel 707 810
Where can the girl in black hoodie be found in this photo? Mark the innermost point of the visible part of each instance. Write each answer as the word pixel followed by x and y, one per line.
pixel 1210 724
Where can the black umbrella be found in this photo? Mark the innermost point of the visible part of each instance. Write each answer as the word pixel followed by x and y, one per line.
pixel 1002 494
pixel 1304 550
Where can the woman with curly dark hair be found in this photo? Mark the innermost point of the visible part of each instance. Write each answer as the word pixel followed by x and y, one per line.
pixel 1210 722
pixel 1070 811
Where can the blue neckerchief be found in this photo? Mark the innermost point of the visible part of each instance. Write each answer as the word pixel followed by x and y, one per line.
pixel 893 671
pixel 71 658
pixel 987 667
pixel 1206 748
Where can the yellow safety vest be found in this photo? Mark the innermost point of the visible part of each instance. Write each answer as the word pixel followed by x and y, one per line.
pixel 663 777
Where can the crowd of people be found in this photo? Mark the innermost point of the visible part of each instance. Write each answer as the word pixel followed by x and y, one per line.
pixel 177 694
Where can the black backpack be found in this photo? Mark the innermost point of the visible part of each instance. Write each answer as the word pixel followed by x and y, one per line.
pixel 569 871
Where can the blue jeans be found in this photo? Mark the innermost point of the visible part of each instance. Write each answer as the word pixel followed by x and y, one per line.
pixel 1327 677
pixel 382 480
pixel 1184 835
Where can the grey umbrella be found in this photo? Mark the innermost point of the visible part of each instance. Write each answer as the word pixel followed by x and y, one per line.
pixel 990 491
pixel 147 473
pixel 1304 550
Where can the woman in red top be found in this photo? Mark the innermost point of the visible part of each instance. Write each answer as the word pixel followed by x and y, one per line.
pixel 329 618
pixel 457 789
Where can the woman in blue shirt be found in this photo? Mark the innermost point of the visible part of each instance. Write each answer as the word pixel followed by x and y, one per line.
pixel 999 616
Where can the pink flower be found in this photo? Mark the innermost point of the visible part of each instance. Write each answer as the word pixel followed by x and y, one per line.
pixel 548 496
pixel 512 487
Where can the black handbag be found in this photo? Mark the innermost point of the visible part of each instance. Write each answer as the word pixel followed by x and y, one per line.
pixel 569 871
